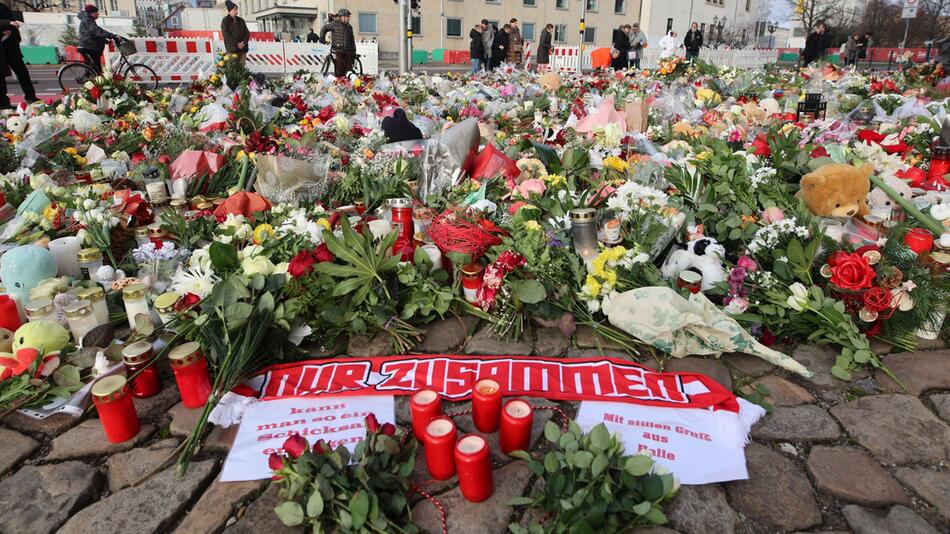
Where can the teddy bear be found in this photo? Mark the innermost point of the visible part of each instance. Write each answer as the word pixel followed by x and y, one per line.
pixel 837 190
pixel 550 81
pixel 881 204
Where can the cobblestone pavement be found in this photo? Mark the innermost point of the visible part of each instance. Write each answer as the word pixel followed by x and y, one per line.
pixel 861 457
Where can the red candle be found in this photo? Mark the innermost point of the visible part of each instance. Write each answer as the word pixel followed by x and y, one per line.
pixel 113 401
pixel 486 405
pixel 474 468
pixel 516 421
pixel 9 314
pixel 439 442
pixel 919 240
pixel 145 379
pixel 425 406
pixel 401 209
pixel 191 374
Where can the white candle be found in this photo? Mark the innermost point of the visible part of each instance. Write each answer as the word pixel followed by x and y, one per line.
pixel 380 228
pixel 64 251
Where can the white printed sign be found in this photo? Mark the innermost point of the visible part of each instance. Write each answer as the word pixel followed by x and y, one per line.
pixel 698 446
pixel 267 424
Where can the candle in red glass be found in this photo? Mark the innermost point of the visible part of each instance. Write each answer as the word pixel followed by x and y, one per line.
pixel 919 240
pixel 401 209
pixel 471 281
pixel 191 374
pixel 439 442
pixel 939 167
pixel 516 421
pixel 425 406
pixel 144 379
pixel 474 468
pixel 486 405
pixel 113 401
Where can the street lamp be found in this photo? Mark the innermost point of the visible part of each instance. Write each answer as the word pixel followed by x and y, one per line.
pixel 771 29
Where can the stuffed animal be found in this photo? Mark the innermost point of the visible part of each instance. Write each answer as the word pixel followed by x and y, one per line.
pixel 837 190
pixel 704 255
pixel 881 204
pixel 6 340
pixel 47 336
pixel 550 81
pixel 22 269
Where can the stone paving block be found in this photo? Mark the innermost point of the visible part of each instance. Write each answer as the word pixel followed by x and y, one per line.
pixel 152 507
pixel 918 371
pixel 933 486
pixel 895 428
pixel 259 516
pixel 899 519
pixel 217 505
pixel 942 405
pixel 586 338
pixel 851 475
pixel 88 439
pixel 183 420
pixel 797 423
pixel 710 367
pixel 220 439
pixel 53 425
pixel 446 335
pixel 819 359
pixel 747 364
pixel 488 517
pixel 550 342
pixel 701 510
pixel 782 392
pixel 381 344
pixel 777 492
pixel 156 406
pixel 38 499
pixel 486 342
pixel 129 467
pixel 14 447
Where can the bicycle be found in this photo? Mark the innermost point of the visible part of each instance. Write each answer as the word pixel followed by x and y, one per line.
pixel 73 75
pixel 328 64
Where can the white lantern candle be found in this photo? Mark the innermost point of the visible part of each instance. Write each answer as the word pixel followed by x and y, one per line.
pixel 64 251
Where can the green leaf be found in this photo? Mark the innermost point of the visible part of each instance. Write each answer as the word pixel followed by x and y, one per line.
pixel 521 455
pixel 840 373
pixel 67 375
pixel 550 462
pixel 599 464
pixel 520 501
pixel 655 516
pixel 315 504
pixel 642 508
pixel 551 432
pixel 600 437
pixel 638 465
pixel 290 513
pixel 862 356
pixel 359 508
pixel 583 459
pixel 223 257
pixel 528 291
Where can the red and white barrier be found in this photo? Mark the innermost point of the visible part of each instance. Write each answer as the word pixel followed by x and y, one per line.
pixel 182 60
pixel 568 58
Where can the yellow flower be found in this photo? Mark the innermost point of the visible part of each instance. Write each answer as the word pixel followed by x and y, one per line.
pixel 592 286
pixel 325 223
pixel 214 78
pixel 220 63
pixel 704 155
pixel 262 233
pixel 532 225
pixel 194 109
pixel 80 160
pixel 357 83
pixel 50 213
pixel 615 163
pixel 610 278
pixel 555 179
pixel 70 150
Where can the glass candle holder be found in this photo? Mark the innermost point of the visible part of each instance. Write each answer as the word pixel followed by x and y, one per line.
pixel 81 318
pixel 89 259
pixel 165 306
pixel 584 233
pixel 144 379
pixel 113 401
pixel 40 310
pixel 136 303
pixel 471 280
pixel 64 251
pixel 191 374
pixel 425 406
pixel 516 420
pixel 97 297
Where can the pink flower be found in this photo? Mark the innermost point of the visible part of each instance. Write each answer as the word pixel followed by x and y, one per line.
pixel 747 263
pixel 771 215
pixel 516 206
pixel 737 305
pixel 527 187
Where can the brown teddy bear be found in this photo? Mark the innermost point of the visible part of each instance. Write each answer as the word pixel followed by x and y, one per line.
pixel 837 190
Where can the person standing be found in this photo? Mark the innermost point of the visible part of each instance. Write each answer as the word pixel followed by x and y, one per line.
pixel 5 26
pixel 92 38
pixel 476 48
pixel 638 40
pixel 621 48
pixel 14 56
pixel 852 49
pixel 693 42
pixel 488 39
pixel 500 46
pixel 515 43
pixel 544 45
pixel 816 46
pixel 234 32
pixel 344 43
pixel 312 37
pixel 864 46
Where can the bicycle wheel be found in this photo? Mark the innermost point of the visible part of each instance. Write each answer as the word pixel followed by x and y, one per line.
pixel 326 64
pixel 72 76
pixel 142 75
pixel 357 67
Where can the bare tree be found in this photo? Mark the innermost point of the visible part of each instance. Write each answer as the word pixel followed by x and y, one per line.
pixel 32 5
pixel 811 12
pixel 931 22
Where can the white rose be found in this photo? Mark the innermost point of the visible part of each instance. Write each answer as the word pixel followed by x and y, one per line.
pixel 798 300
pixel 258 265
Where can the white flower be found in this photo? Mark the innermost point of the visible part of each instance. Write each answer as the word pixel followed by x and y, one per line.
pixel 299 333
pixel 201 258
pixel 199 280
pixel 101 364
pixel 593 306
pixel 257 265
pixel 632 197
pixel 83 121
pixel 798 300
pixel 612 135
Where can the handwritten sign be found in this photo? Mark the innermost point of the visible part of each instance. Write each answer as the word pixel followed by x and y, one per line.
pixel 698 446
pixel 267 424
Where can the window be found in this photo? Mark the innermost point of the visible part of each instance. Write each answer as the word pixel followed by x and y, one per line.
pixel 560 4
pixel 620 7
pixel 748 5
pixel 669 25
pixel 590 35
pixel 743 37
pixel 528 3
pixel 367 22
pixel 560 33
pixel 492 1
pixel 702 28
pixel 453 27
pixel 416 25
pixel 527 31
pixel 174 22
pixel 592 6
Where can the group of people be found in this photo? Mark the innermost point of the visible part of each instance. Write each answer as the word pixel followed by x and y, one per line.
pixel 628 45
pixel 854 49
pixel 490 46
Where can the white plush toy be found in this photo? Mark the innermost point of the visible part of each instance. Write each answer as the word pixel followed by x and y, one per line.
pixel 704 255
pixel 881 204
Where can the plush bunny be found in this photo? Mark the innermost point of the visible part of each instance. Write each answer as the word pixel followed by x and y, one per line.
pixel 704 255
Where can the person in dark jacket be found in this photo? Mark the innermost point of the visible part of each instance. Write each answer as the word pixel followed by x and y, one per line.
pixel 816 45
pixel 488 37
pixel 476 48
pixel 693 42
pixel 92 38
pixel 312 37
pixel 343 42
pixel 14 56
pixel 499 47
pixel 544 44
pixel 234 31
pixel 621 45
pixel 398 128
pixel 5 26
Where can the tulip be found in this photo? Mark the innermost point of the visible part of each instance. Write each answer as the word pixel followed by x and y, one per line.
pixel 798 300
pixel 295 445
pixel 372 423
pixel 275 462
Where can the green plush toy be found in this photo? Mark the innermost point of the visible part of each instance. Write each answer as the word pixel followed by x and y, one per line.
pixel 44 336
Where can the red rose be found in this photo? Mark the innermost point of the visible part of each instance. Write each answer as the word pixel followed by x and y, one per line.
pixel 275 462
pixel 321 447
pixel 301 264
pixel 852 272
pixel 322 253
pixel 819 152
pixel 95 92
pixel 761 146
pixel 388 429
pixel 836 257
pixel 877 299
pixel 295 445
pixel 372 423
pixel 767 338
pixel 187 301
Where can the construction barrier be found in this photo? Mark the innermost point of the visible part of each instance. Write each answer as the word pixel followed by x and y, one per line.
pixel 184 60
pixel 569 59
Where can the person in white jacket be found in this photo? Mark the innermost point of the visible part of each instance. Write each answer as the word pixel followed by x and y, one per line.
pixel 668 44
